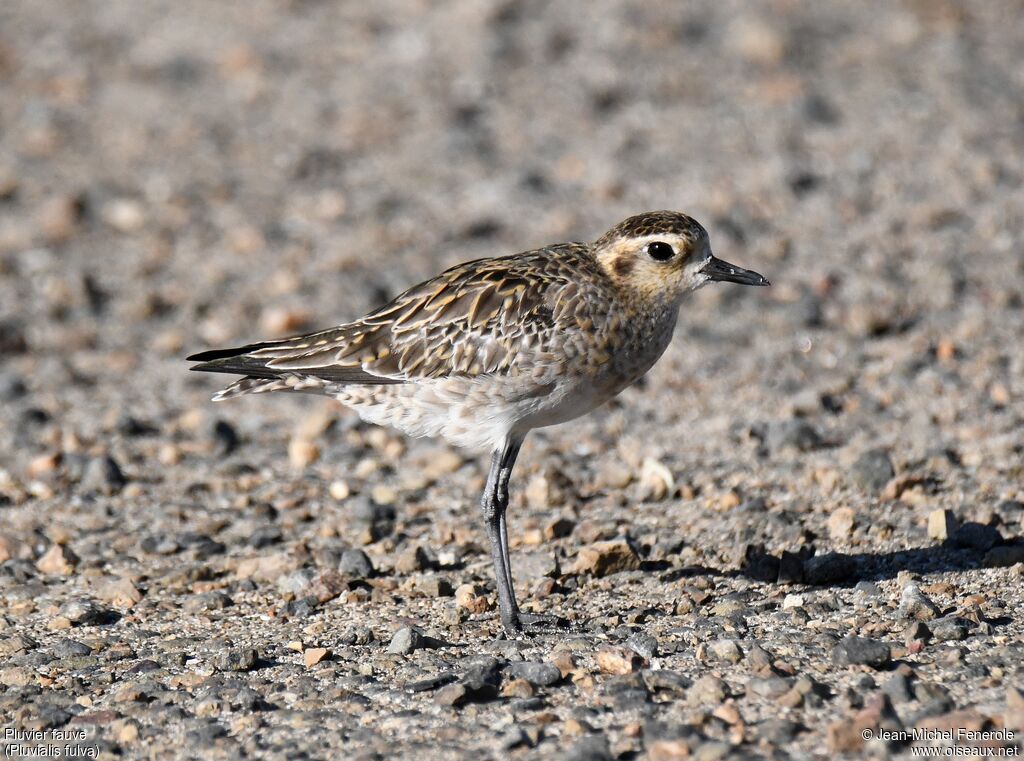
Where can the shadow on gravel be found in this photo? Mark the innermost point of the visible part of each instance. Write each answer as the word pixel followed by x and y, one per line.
pixel 836 569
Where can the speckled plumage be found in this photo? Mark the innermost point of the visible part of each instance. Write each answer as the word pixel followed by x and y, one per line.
pixel 490 349
pixel 486 347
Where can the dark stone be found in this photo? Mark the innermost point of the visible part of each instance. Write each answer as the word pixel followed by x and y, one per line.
pixel 103 476
pixel 950 629
pixel 49 716
pixel 12 338
pixel 819 110
pixel 265 537
pixel 977 536
pixel 829 569
pixel 861 651
pixel 897 687
pixel 590 748
pixel 408 639
pixel 643 644
pixel 537 674
pixel 431 683
pixel 664 680
pixel 204 736
pixel 83 612
pixel 12 388
pixel 795 433
pixel 70 648
pixel 225 438
pixel 356 563
pixel 872 470
pixel 778 732
pixel 301 608
pixel 758 564
pixel 482 673
pixel 133 427
pixel 236 659
pixel 791 568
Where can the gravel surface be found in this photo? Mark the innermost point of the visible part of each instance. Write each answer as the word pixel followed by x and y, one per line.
pixel 805 524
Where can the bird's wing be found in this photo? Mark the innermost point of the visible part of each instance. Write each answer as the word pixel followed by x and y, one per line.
pixel 477 318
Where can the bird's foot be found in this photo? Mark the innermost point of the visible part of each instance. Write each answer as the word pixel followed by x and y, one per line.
pixel 543 621
pixel 526 624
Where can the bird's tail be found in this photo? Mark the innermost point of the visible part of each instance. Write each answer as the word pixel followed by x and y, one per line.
pixel 290 382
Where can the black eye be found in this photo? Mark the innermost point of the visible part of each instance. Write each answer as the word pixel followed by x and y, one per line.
pixel 660 251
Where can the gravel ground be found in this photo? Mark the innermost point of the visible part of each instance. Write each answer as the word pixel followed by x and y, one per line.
pixel 806 523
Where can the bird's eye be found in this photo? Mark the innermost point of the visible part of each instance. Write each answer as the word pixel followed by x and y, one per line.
pixel 660 251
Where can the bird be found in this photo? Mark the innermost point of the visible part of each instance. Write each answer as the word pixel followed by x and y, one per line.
pixel 493 348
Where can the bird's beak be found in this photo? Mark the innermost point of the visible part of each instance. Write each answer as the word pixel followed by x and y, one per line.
pixel 720 271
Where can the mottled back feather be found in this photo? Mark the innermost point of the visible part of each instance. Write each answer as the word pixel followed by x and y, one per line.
pixel 477 318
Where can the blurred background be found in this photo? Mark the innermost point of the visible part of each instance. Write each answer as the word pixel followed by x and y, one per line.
pixel 182 175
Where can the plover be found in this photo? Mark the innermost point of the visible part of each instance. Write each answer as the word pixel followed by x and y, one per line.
pixel 493 348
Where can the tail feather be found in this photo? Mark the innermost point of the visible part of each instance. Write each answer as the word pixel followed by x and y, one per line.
pixel 241 362
pixel 252 385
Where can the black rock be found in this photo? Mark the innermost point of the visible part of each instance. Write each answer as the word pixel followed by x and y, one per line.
pixel 779 732
pixel 643 644
pixel 103 476
pixel 356 563
pixel 12 388
pixel 265 537
pixel 481 673
pixel 49 716
pixel 897 687
pixel 950 628
pixel 664 680
pixel 225 438
pixel 70 648
pixel 204 736
pixel 12 338
pixel 236 659
pixel 408 638
pixel 872 470
pixel 861 651
pixel 301 608
pixel 431 683
pixel 795 433
pixel 977 536
pixel 829 569
pixel 132 426
pixel 590 748
pixel 536 673
pixel 83 612
pixel 758 564
pixel 791 568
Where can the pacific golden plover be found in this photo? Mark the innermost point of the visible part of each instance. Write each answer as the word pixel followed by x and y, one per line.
pixel 490 349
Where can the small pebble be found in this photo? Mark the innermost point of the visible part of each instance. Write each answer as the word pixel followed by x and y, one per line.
pixel 82 612
pixel 236 659
pixel 916 605
pixel 605 558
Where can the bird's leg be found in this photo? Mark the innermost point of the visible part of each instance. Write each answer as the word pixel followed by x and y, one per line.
pixel 502 499
pixel 493 504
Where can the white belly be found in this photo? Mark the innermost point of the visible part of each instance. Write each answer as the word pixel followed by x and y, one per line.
pixel 479 413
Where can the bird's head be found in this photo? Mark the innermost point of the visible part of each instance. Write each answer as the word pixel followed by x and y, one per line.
pixel 662 255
